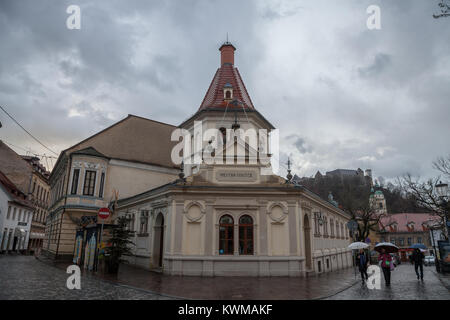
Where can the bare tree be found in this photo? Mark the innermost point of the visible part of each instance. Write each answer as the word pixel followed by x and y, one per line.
pixel 355 200
pixel 443 165
pixel 445 10
pixel 367 220
pixel 425 196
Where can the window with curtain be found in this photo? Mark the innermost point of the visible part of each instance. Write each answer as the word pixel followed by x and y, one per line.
pixel 226 236
pixel 89 183
pixel 246 235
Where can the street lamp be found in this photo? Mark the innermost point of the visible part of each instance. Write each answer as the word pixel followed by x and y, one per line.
pixel 442 189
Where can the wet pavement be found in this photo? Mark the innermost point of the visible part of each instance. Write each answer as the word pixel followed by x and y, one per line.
pixel 404 286
pixel 25 277
pixel 238 288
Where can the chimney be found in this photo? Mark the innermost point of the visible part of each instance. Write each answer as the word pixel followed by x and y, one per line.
pixel 227 53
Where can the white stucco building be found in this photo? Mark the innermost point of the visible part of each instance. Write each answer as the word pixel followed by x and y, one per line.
pixel 16 214
pixel 238 218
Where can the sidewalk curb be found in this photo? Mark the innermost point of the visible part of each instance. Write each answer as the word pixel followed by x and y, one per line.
pixel 115 283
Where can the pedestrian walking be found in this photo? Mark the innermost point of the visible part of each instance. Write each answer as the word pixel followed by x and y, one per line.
pixel 386 264
pixel 363 262
pixel 417 258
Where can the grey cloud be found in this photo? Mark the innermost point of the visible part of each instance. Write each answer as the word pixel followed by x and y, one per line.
pixel 300 144
pixel 380 62
pixel 338 90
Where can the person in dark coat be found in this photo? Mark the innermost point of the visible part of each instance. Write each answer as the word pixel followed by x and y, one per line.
pixel 417 257
pixel 362 262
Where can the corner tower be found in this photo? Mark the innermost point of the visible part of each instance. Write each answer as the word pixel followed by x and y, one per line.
pixel 226 105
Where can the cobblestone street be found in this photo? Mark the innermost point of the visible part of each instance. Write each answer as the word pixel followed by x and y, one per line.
pixel 404 286
pixel 25 277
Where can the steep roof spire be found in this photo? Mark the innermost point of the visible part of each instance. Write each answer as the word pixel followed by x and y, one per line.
pixel 227 84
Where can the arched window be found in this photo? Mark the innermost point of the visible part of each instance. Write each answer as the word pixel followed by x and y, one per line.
pixel 228 94
pixel 246 235
pixel 226 231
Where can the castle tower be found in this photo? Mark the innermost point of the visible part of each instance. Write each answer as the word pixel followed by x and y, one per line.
pixel 378 202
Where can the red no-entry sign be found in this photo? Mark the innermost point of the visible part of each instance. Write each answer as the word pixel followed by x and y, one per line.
pixel 104 213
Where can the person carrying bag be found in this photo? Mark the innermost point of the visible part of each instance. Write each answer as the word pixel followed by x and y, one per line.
pixel 386 265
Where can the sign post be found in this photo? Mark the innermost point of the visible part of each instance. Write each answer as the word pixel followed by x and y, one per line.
pixel 103 214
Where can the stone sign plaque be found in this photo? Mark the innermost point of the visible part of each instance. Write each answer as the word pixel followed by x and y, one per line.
pixel 236 176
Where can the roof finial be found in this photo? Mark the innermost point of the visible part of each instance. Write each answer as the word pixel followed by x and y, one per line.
pixel 289 175
pixel 227 37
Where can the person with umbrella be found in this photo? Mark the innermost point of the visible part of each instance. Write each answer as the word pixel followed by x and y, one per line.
pixel 361 259
pixel 385 248
pixel 417 257
pixel 363 262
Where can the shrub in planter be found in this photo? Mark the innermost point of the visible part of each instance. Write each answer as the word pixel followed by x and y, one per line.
pixel 120 245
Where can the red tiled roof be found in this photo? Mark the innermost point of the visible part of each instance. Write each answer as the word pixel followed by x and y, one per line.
pixel 214 97
pixel 404 219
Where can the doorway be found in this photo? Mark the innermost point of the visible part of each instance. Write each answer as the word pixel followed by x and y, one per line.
pixel 158 241
pixel 15 241
pixel 307 238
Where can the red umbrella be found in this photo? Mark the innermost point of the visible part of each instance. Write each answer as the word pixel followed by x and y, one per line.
pixel 389 247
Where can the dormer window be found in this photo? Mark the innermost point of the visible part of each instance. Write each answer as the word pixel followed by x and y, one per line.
pixel 228 91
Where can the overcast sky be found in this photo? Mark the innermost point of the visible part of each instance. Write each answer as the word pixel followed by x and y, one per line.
pixel 343 96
